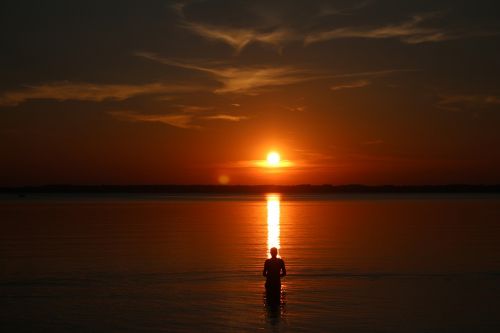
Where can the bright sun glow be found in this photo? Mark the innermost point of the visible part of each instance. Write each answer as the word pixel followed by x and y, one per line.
pixel 273 158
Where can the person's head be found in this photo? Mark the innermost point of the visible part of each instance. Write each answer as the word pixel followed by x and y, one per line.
pixel 274 252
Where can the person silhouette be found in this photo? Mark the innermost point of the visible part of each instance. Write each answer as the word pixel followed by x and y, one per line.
pixel 274 270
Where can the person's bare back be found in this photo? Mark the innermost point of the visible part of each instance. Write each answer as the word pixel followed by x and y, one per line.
pixel 274 270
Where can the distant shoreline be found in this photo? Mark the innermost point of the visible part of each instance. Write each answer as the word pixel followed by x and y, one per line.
pixel 250 189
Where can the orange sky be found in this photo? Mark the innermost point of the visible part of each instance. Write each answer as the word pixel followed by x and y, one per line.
pixel 187 92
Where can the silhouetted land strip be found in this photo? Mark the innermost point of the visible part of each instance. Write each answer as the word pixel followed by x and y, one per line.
pixel 251 189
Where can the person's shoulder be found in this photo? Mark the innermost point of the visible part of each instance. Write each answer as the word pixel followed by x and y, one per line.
pixel 281 260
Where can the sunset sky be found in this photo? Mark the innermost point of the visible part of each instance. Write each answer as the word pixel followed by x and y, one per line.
pixel 199 92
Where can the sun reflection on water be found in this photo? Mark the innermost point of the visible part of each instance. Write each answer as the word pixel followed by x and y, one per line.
pixel 273 222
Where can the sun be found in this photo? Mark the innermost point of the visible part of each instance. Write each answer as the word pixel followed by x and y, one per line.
pixel 273 159
pixel 273 162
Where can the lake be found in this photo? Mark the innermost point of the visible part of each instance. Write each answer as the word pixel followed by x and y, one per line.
pixel 356 263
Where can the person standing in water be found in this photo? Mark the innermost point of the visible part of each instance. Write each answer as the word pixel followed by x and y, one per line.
pixel 274 270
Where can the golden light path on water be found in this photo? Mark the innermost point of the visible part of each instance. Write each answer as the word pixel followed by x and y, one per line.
pixel 273 222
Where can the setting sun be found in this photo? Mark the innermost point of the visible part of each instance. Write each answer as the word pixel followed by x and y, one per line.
pixel 273 159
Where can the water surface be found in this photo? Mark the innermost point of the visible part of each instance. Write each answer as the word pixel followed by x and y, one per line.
pixel 179 264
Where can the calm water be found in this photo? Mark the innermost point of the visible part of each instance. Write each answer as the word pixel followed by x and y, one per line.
pixel 355 264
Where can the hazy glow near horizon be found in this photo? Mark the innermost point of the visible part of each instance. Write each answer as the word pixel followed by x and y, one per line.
pixel 273 222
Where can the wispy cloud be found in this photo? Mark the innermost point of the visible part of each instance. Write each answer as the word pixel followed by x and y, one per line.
pixel 365 78
pixel 176 120
pixel 371 74
pixel 461 102
pixel 251 80
pixel 255 79
pixel 95 92
pixel 193 108
pixel 183 119
pixel 237 38
pixel 246 80
pixel 350 85
pixel 410 32
pixel 417 29
pixel 226 117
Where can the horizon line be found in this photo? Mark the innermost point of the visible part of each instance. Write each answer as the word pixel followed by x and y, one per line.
pixel 252 189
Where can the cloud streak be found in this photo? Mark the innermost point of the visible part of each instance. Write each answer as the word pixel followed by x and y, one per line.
pixel 93 92
pixel 410 32
pixel 256 79
pixel 245 80
pixel 175 120
pixel 415 30
pixel 193 108
pixel 461 102
pixel 350 85
pixel 226 117
pixel 184 120
pixel 237 38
